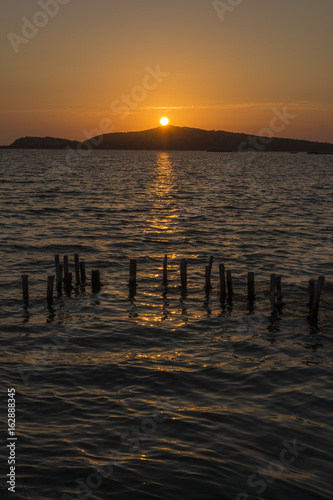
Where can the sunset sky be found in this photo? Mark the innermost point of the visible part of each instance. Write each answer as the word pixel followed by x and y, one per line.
pixel 120 65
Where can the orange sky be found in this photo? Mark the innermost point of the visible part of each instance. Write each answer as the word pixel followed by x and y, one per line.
pixel 92 67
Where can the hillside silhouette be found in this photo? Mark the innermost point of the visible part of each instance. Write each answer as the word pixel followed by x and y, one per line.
pixel 41 143
pixel 178 139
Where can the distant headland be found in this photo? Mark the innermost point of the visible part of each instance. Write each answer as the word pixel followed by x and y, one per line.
pixel 176 139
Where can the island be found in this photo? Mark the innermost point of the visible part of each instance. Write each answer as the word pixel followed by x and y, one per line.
pixel 173 138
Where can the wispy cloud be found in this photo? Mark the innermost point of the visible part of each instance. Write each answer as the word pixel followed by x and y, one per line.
pixel 297 105
pixel 305 105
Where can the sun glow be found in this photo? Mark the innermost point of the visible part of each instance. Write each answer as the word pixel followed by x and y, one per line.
pixel 164 121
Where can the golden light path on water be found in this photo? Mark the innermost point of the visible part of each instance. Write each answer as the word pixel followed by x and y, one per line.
pixel 164 219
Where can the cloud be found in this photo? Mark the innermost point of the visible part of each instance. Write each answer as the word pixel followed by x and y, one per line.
pixel 297 105
pixel 300 105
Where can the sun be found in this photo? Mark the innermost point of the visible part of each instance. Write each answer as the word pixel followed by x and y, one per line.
pixel 164 121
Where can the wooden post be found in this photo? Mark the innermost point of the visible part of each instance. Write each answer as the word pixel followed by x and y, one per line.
pixel 25 287
pixel 56 260
pixel 132 276
pixel 250 287
pixel 272 290
pixel 65 266
pixel 59 278
pixel 222 282
pixel 68 283
pixel 317 293
pixel 311 293
pixel 83 271
pixel 207 279
pixel 208 274
pixel 279 297
pixel 49 296
pixel 77 268
pixel 229 285
pixel 165 271
pixel 183 273
pixel 95 281
pixel 210 263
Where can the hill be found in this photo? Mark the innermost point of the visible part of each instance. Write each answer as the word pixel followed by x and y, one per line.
pixel 192 139
pixel 41 143
pixel 178 139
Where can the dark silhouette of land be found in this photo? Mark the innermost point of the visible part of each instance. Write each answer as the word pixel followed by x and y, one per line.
pixel 177 139
pixel 41 143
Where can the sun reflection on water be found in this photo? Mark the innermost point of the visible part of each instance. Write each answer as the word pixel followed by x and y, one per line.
pixel 164 214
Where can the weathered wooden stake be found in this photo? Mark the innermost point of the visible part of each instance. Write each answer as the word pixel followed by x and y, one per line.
pixel 222 282
pixel 77 268
pixel 49 296
pixel 68 283
pixel 65 266
pixel 207 279
pixel 183 273
pixel 83 271
pixel 208 274
pixel 272 290
pixel 59 278
pixel 229 285
pixel 25 287
pixel 311 293
pixel 279 297
pixel 95 281
pixel 132 276
pixel 210 263
pixel 317 293
pixel 165 271
pixel 56 260
pixel 251 295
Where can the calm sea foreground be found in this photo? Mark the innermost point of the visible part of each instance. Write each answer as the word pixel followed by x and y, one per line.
pixel 167 395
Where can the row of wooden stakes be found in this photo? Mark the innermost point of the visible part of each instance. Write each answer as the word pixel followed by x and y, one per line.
pixel 64 280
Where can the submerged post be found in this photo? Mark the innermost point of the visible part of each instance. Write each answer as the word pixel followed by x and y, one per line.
pixel 183 273
pixel 272 290
pixel 25 287
pixel 59 278
pixel 49 296
pixel 250 287
pixel 210 263
pixel 68 283
pixel 317 293
pixel 279 297
pixel 77 268
pixel 229 285
pixel 95 281
pixel 222 282
pixel 208 273
pixel 165 271
pixel 132 276
pixel 56 260
pixel 83 271
pixel 311 293
pixel 208 286
pixel 65 266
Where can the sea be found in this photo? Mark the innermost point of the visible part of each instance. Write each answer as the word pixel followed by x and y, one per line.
pixel 166 392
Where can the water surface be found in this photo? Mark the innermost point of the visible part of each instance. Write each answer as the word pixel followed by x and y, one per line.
pixel 168 395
